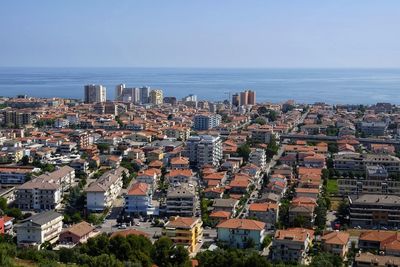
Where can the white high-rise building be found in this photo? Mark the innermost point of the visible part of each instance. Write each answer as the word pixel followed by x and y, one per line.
pixel 204 149
pixel 127 94
pixel 95 93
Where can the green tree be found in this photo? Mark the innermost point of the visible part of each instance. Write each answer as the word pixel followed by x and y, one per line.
pixel 244 151
pixel 260 121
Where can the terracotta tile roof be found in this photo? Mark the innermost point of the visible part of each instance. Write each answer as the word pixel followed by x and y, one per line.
pixel 336 238
pixel 182 222
pixel 174 173
pixel 220 214
pixel 263 206
pixel 245 224
pixel 138 189
pixel 295 234
pixel 80 229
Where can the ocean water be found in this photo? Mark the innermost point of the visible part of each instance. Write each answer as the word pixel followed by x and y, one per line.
pixel 336 86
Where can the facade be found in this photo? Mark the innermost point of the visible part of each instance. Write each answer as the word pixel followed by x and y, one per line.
pixel 138 199
pixel 356 162
pixel 156 97
pixel 265 212
pixel 370 211
pixel 125 94
pixel 261 135
pixel 185 231
pixel 39 228
pixel 77 234
pixel 95 93
pixel 102 193
pixel 204 149
pixel 336 243
pixel 17 118
pixel 258 158
pixel 46 191
pixel 373 128
pixel 237 233
pixel 181 201
pixel 206 121
pixel 291 245
pixel 377 181
pixel 15 175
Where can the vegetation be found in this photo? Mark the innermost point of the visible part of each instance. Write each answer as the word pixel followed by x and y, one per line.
pixel 260 121
pixel 244 151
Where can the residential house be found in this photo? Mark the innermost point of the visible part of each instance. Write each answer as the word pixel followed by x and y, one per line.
pixel 239 233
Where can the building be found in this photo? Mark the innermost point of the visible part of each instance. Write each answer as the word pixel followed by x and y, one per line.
pixel 39 228
pixel 373 128
pixel 15 174
pixel 181 201
pixel 261 135
pixel 265 212
pixel 336 243
pixel 377 181
pixel 356 162
pixel 235 100
pixel 102 193
pixel 370 211
pixel 156 97
pixel 247 97
pixel 258 158
pixel 204 149
pixel 17 118
pixel 95 93
pixel 368 259
pixel 291 245
pixel 125 94
pixel 46 191
pixel 384 242
pixel 239 233
pixel 77 234
pixel 138 200
pixel 203 122
pixel 185 231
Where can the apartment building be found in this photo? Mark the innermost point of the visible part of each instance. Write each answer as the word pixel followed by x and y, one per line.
pixel 261 135
pixel 373 128
pixel 94 93
pixel 377 181
pixel 102 193
pixel 265 212
pixel 15 174
pixel 238 233
pixel 185 231
pixel 291 245
pixel 258 158
pixel 204 149
pixel 356 162
pixel 156 97
pixel 369 211
pixel 181 201
pixel 46 191
pixel 203 122
pixel 138 200
pixel 39 228
pixel 17 118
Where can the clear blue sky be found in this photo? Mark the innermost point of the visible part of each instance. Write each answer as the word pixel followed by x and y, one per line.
pixel 202 33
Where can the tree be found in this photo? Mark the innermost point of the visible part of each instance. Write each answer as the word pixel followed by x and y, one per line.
pixel 244 151
pixel 103 147
pixel 162 251
pixel 25 160
pixel 326 260
pixel 260 121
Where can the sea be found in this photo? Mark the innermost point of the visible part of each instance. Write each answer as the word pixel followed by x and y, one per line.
pixel 333 86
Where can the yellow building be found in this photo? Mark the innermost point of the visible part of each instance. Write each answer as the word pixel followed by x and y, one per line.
pixel 185 231
pixel 156 97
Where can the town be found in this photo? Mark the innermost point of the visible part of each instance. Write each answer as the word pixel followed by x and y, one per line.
pixel 153 180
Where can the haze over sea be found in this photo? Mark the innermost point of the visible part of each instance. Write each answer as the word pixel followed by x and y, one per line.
pixel 335 86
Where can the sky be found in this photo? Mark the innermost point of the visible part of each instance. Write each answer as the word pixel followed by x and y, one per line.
pixel 202 33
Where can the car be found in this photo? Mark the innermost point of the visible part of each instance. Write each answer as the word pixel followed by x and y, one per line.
pixel 137 223
pixel 122 226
